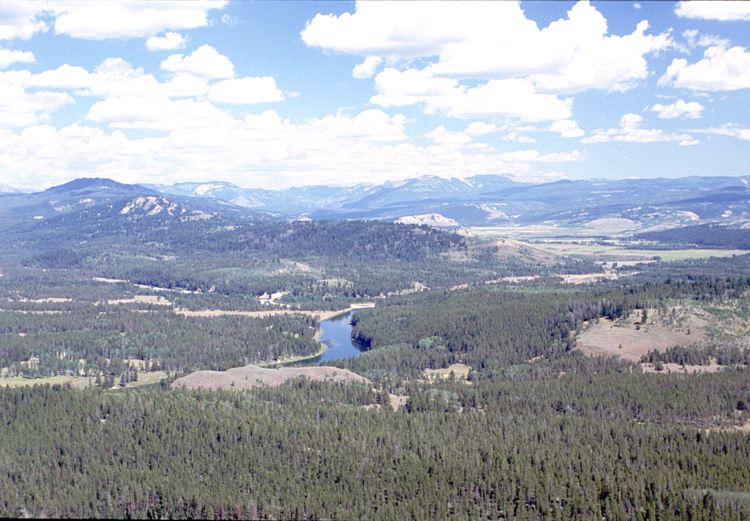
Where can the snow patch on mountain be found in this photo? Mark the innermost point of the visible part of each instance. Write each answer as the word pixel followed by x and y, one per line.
pixel 149 205
pixel 429 219
pixel 203 189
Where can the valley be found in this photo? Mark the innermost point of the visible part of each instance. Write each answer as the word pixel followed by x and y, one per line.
pixel 161 340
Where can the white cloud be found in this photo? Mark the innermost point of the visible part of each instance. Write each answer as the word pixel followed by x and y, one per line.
pixel 678 109
pixel 397 88
pixel 505 98
pixel 205 62
pixel 19 108
pixel 18 20
pixel 155 113
pixel 566 128
pixel 168 42
pixel 630 132
pixel 367 68
pixel 720 69
pixel 598 61
pixel 245 91
pixel 261 149
pixel 724 11
pixel 727 130
pixel 116 77
pixel 96 20
pixel 371 125
pixel 493 40
pixel 445 136
pixel 64 77
pixel 8 57
pixel 479 128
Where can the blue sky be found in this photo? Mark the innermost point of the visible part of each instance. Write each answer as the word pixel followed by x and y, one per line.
pixel 272 94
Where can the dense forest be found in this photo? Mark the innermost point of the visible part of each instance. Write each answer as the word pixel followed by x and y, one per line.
pixel 607 444
pixel 311 260
pixel 700 236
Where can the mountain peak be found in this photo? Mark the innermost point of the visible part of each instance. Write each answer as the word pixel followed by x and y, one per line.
pixel 87 183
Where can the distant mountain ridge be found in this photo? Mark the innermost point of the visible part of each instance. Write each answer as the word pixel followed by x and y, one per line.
pixel 105 198
pixel 633 204
pixel 497 200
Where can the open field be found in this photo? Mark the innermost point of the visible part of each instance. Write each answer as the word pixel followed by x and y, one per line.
pixel 618 253
pixel 461 371
pixel 582 242
pixel 321 315
pixel 78 382
pixel 240 378
pixel 549 231
pixel 630 341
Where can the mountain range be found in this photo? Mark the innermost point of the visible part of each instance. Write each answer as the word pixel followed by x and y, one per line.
pixel 629 204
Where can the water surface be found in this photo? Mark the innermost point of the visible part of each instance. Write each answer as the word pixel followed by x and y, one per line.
pixel 336 334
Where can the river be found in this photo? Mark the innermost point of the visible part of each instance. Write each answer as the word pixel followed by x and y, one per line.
pixel 336 334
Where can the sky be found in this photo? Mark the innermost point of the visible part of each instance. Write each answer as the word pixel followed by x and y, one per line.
pixel 272 94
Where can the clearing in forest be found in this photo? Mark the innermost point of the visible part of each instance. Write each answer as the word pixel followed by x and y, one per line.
pixel 631 340
pixel 249 376
pixel 460 372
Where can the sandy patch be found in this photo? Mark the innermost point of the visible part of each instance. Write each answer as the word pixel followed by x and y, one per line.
pixel 55 300
pixel 587 277
pixel 671 367
pixel 624 338
pixel 241 378
pixel 734 428
pixel 109 281
pixel 321 315
pixel 618 223
pixel 157 300
pixel 461 371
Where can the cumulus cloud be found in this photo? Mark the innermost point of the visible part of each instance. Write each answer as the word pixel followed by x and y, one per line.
pixel 367 68
pixel 724 11
pixel 155 113
pixel 485 59
pixel 168 42
pixel 630 131
pixel 679 109
pixel 443 135
pixel 245 91
pixel 18 20
pixel 116 77
pixel 8 57
pixel 720 69
pixel 273 151
pixel 96 20
pixel 19 108
pixel 493 40
pixel 496 98
pixel 205 62
pixel 566 128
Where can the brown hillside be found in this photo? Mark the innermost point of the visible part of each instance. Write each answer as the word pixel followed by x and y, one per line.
pixel 251 376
